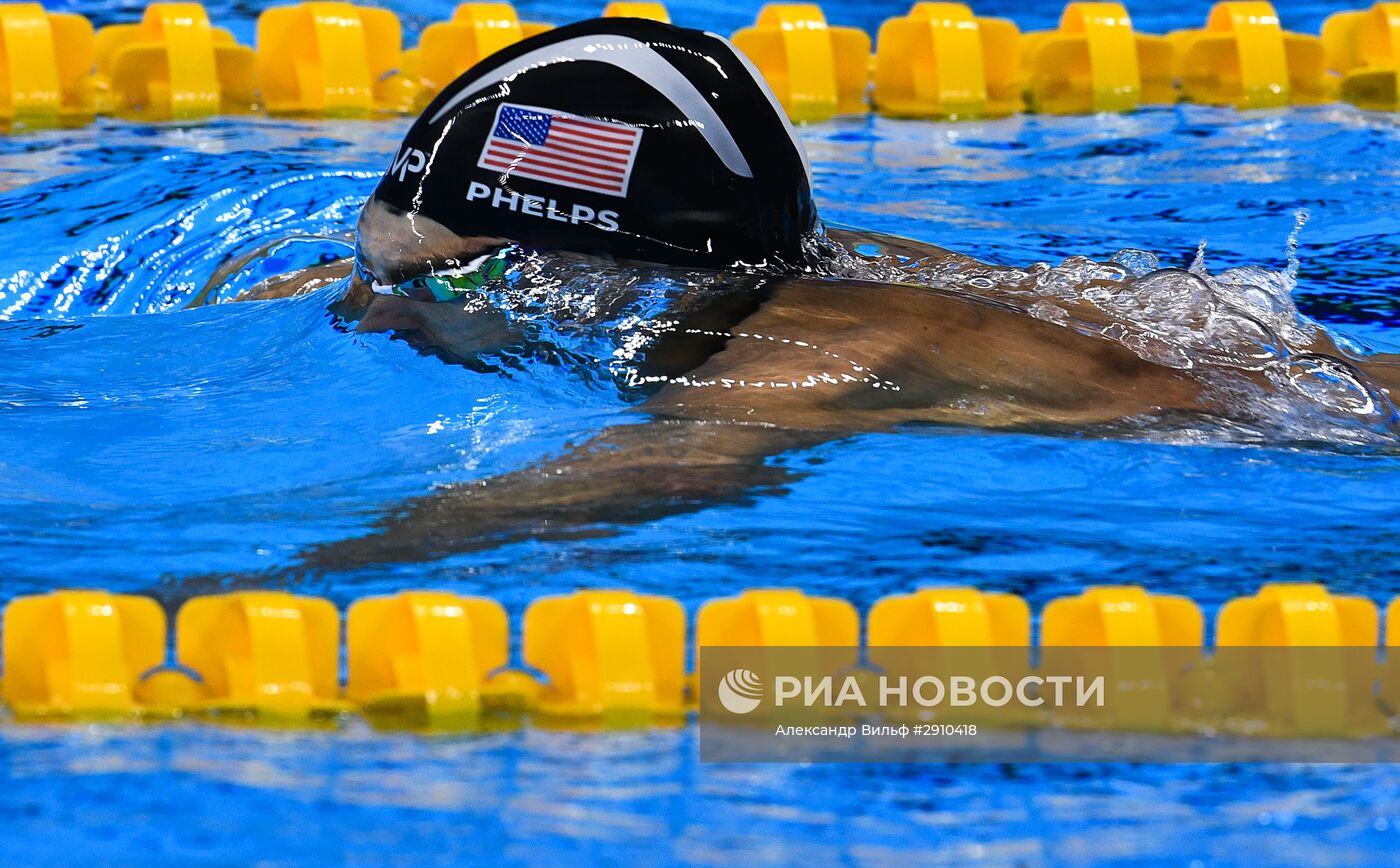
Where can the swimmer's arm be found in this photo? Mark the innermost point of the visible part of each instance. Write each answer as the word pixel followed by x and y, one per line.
pixel 299 282
pixel 627 475
pixel 293 283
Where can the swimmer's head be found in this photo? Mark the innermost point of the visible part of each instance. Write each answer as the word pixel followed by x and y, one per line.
pixel 620 137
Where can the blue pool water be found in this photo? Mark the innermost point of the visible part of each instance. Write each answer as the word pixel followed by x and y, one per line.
pixel 146 443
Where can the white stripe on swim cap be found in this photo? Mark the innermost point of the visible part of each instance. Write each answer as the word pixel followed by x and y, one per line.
pixel 778 109
pixel 640 60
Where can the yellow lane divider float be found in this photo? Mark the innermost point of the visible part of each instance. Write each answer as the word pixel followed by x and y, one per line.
pixel 652 11
pixel 781 618
pixel 1244 58
pixel 262 652
pixel 80 652
pixel 1121 617
pixel 1095 62
pixel 47 59
pixel 608 654
pixel 941 61
pixel 439 660
pixel 816 71
pixel 989 633
pixel 949 617
pixel 421 658
pixel 173 64
pixel 1142 640
pixel 1316 684
pixel 449 48
pixel 1365 48
pixel 335 59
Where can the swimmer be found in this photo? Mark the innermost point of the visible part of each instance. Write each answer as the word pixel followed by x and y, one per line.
pixel 637 144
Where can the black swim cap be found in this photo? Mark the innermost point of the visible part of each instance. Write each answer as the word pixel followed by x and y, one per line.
pixel 620 136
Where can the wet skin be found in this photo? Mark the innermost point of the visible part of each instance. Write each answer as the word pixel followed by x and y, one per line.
pixel 785 364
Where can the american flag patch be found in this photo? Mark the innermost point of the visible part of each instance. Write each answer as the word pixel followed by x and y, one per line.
pixel 561 148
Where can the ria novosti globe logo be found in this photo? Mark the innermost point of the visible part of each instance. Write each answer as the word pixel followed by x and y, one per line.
pixel 740 691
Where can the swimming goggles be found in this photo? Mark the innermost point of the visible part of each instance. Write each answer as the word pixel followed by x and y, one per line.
pixel 449 284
